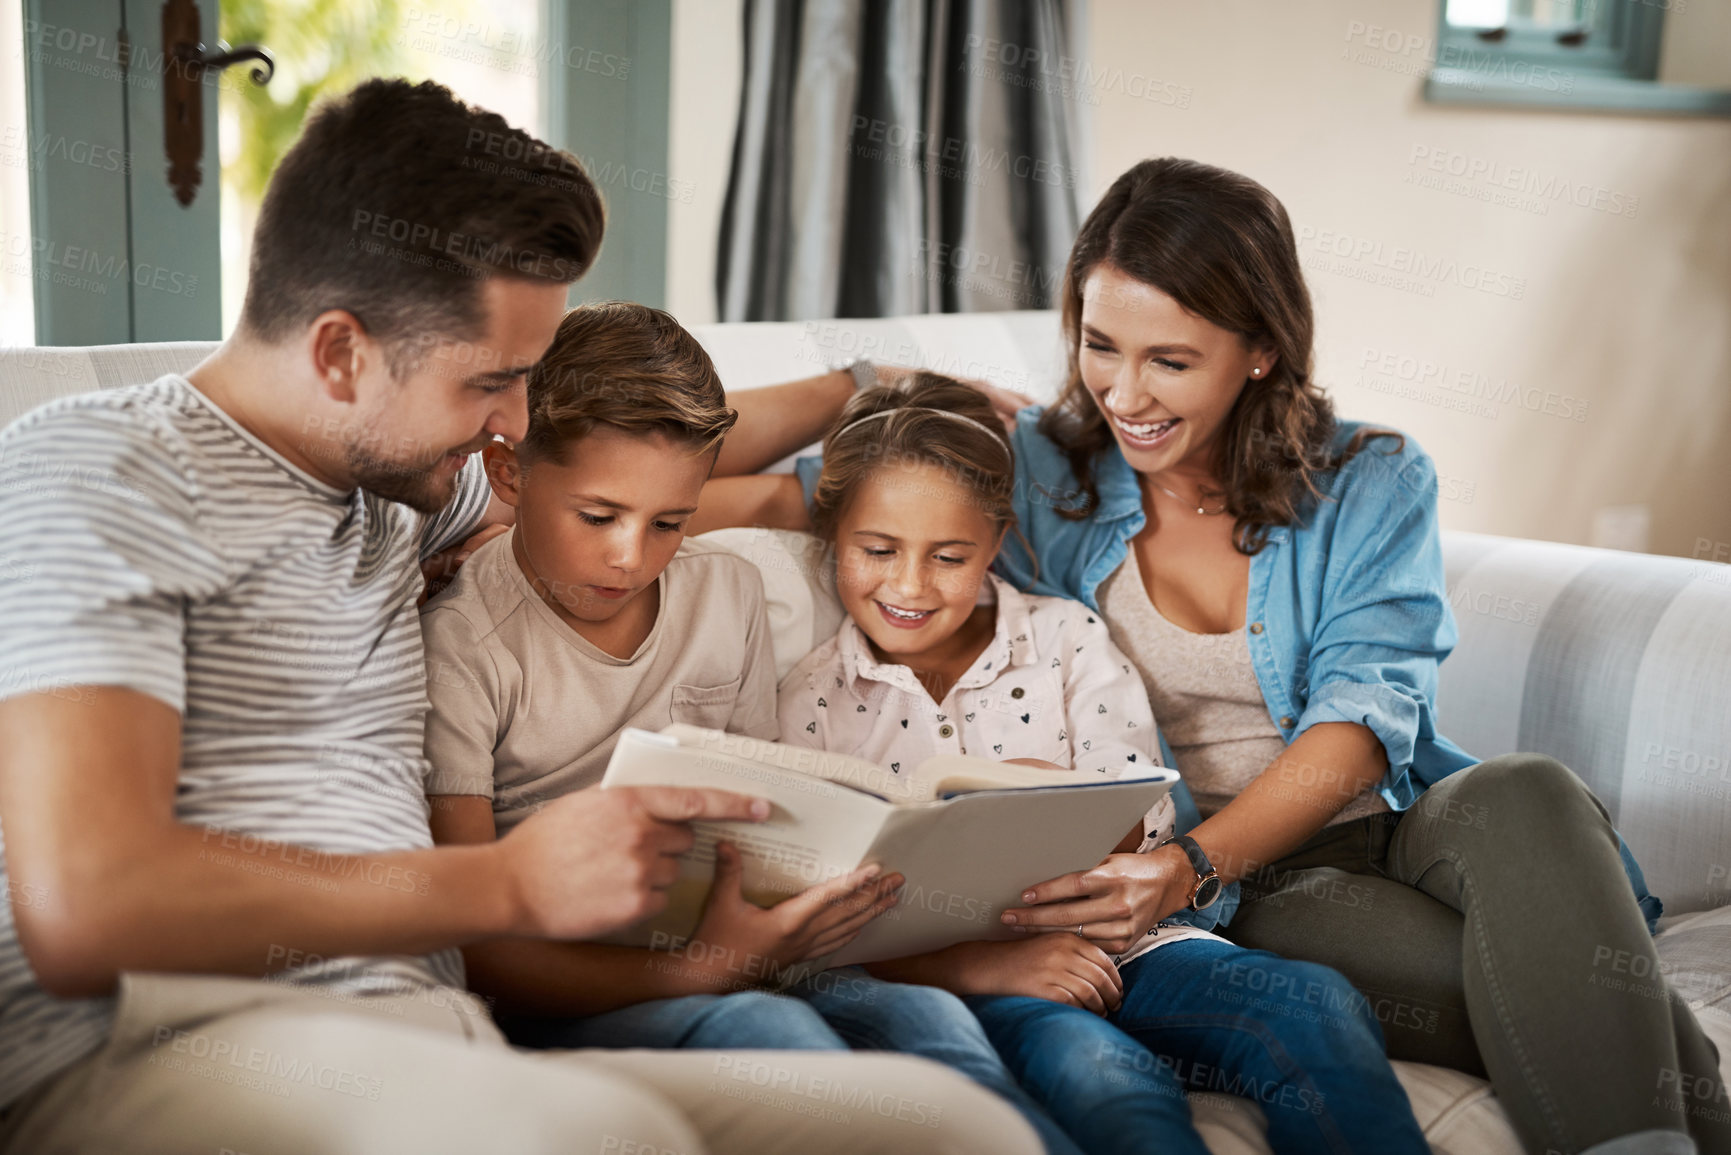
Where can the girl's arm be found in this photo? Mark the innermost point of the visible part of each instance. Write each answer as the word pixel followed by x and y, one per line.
pixel 1064 968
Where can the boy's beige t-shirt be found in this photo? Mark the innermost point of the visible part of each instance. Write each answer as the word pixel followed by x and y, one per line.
pixel 525 709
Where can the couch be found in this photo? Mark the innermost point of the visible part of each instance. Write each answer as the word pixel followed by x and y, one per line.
pixel 1617 664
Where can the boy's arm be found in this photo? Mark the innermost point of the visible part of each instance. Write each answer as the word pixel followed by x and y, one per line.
pixel 88 783
pixel 528 976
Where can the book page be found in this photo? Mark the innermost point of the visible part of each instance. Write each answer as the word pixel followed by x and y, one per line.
pixel 817 830
pixel 842 769
pixel 961 773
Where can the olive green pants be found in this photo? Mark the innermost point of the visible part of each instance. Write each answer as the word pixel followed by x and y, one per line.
pixel 1494 931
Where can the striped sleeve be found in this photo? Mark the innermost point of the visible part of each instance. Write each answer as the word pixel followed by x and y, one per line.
pixel 99 513
pixel 462 516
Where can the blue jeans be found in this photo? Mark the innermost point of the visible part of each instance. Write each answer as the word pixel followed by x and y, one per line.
pixel 1205 1015
pixel 833 1010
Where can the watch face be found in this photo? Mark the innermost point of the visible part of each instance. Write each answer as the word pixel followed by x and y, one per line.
pixel 1207 893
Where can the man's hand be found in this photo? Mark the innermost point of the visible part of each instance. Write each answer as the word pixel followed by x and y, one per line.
pixel 1115 903
pixel 817 921
pixel 598 860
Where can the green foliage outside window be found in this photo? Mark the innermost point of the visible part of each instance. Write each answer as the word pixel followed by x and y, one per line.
pixel 321 47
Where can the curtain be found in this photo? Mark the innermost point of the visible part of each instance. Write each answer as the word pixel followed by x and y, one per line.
pixel 902 156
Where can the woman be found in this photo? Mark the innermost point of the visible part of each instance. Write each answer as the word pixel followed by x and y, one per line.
pixel 1276 576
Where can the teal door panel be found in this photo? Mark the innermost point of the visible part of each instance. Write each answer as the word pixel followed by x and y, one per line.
pixel 116 258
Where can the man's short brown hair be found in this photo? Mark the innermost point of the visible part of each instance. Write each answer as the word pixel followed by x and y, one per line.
pixel 395 204
pixel 627 366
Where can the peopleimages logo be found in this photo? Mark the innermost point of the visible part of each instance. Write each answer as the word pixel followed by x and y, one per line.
pixel 1386 371
pixel 1518 186
pixel 1402 267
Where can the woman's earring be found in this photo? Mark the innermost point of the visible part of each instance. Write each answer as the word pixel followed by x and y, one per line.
pixel 1256 372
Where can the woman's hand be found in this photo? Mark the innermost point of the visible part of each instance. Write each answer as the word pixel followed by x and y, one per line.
pixel 1114 904
pixel 1007 402
pixel 756 945
pixel 1064 968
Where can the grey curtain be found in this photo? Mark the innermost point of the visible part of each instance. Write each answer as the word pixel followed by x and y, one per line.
pixel 902 156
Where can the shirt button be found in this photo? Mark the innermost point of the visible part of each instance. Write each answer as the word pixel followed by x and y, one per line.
pixel 1256 627
pixel 1286 721
pixel 1017 692
pixel 946 731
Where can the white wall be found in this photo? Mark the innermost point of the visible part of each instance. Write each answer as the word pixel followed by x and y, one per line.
pixel 707 64
pixel 1623 319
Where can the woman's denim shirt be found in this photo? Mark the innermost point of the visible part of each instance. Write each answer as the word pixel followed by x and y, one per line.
pixel 1347 616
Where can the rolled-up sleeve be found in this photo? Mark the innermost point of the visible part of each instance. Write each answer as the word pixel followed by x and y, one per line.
pixel 1384 622
pixel 808 470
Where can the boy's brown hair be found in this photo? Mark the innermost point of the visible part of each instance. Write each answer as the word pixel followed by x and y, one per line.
pixel 397 202
pixel 627 366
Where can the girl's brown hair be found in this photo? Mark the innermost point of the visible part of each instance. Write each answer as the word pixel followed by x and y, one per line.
pixel 627 366
pixel 1221 246
pixel 974 452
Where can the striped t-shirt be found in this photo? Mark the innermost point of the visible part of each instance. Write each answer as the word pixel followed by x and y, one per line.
pixel 148 541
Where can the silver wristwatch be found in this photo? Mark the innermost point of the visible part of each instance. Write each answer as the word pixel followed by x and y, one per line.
pixel 864 373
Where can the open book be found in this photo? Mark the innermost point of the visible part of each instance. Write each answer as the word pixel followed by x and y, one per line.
pixel 970 834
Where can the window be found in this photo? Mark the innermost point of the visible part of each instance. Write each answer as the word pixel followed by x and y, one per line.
pixel 1585 54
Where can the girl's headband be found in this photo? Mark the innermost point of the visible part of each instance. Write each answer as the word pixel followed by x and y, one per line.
pixel 919 409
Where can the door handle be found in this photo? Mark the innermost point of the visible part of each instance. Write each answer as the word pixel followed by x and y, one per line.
pixel 184 65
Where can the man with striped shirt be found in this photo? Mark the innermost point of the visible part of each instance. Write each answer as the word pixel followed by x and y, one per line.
pixel 228 927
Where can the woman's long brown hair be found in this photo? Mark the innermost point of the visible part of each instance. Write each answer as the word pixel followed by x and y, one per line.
pixel 1221 246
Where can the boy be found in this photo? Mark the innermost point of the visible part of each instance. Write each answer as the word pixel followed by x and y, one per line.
pixel 594 614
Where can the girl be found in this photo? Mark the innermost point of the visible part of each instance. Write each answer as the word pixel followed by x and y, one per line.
pixel 938 656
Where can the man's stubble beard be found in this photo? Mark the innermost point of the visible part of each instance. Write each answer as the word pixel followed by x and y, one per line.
pixel 417 486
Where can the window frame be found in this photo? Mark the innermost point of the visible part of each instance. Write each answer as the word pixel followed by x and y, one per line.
pixel 1615 71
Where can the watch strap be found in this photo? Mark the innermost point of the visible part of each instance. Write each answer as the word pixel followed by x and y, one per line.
pixel 1198 860
pixel 864 373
